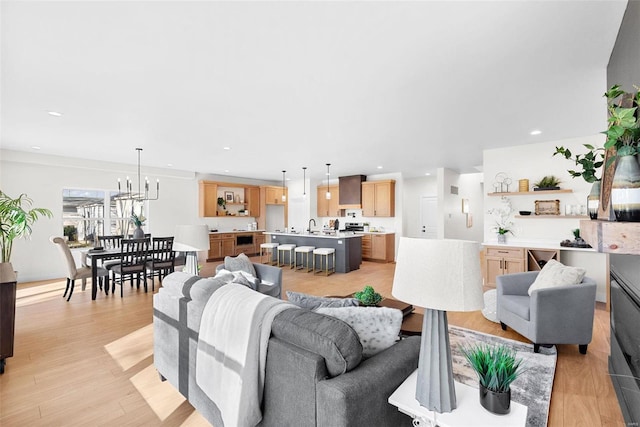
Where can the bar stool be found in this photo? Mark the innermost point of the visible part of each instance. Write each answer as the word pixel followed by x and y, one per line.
pixel 324 255
pixel 269 250
pixel 304 250
pixel 284 248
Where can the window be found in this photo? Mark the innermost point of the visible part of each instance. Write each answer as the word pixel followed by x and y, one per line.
pixel 85 213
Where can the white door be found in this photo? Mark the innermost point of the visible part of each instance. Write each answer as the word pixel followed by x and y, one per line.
pixel 429 217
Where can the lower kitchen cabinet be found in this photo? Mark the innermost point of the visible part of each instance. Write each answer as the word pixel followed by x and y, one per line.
pixel 506 260
pixel 232 244
pixel 379 247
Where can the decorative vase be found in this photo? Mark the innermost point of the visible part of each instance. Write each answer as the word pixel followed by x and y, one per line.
pixel 138 233
pixel 502 238
pixel 593 200
pixel 495 402
pixel 625 189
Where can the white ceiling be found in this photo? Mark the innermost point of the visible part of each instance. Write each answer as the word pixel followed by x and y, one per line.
pixel 409 86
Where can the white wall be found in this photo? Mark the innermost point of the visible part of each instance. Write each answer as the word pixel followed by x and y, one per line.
pixel 43 178
pixel 533 162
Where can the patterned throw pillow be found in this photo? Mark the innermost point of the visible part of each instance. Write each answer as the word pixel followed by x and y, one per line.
pixel 239 263
pixel 240 277
pixel 377 327
pixel 312 302
pixel 556 274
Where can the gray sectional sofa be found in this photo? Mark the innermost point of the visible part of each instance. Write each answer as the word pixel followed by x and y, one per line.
pixel 315 372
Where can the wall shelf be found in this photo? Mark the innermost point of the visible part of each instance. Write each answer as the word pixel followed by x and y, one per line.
pixel 552 216
pixel 529 193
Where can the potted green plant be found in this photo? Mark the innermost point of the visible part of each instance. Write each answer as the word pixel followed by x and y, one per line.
pixel 138 221
pixel 590 163
pixel 368 296
pixel 623 137
pixel 222 203
pixel 16 219
pixel 496 367
pixel 548 182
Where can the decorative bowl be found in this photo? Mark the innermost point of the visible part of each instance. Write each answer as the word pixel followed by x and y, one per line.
pixel 525 213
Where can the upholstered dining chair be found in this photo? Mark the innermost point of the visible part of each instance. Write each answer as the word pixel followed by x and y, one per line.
pixel 74 272
pixel 133 262
pixel 162 258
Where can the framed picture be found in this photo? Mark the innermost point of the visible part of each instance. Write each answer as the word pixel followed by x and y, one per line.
pixel 228 196
pixel 547 207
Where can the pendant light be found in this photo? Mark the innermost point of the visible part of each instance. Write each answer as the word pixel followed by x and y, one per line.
pixel 284 198
pixel 304 182
pixel 328 193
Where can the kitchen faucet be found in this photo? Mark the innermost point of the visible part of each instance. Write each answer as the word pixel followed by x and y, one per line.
pixel 314 223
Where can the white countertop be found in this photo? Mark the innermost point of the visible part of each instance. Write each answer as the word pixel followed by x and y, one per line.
pixel 340 235
pixel 235 231
pixel 537 244
pixel 375 232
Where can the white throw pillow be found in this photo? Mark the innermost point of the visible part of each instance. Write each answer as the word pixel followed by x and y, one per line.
pixel 377 327
pixel 554 274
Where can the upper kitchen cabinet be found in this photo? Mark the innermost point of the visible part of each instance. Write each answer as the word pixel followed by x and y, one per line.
pixel 329 207
pixel 252 200
pixel 208 198
pixel 273 195
pixel 378 198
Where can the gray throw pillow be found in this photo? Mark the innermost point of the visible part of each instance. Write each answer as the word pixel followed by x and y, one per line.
pixel 377 327
pixel 312 302
pixel 239 263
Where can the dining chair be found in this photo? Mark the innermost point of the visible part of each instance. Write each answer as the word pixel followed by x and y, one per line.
pixel 74 272
pixel 133 262
pixel 162 259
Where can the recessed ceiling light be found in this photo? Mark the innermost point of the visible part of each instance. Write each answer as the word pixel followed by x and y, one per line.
pixel 226 170
pixel 170 165
pixel 226 148
pixel 35 147
pixel 535 132
pixel 379 167
pixel 428 174
pixel 55 114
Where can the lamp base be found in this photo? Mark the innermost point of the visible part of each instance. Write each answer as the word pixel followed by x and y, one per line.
pixel 191 263
pixel 435 389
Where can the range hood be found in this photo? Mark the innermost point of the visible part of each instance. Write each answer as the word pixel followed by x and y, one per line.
pixel 350 191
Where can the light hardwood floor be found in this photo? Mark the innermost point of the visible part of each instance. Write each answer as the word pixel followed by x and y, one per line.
pixel 83 362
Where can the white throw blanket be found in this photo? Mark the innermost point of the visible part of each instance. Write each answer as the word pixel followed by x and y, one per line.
pixel 232 351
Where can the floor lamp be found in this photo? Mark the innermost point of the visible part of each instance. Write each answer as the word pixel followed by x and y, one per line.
pixel 191 239
pixel 441 276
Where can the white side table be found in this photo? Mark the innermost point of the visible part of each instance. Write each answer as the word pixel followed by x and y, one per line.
pixel 468 413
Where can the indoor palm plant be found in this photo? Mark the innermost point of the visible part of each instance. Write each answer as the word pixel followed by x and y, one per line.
pixel 497 367
pixel 16 219
pixel 623 135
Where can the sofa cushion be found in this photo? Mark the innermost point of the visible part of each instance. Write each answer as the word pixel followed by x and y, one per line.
pixel 556 274
pixel 239 263
pixel 313 302
pixel 516 304
pixel 378 328
pixel 329 337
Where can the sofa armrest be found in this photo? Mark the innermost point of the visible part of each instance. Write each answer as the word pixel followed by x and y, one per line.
pixel 343 402
pixel 515 283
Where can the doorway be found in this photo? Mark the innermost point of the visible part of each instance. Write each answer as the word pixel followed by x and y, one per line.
pixel 428 217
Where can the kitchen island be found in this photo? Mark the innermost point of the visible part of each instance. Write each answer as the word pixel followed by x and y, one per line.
pixel 348 246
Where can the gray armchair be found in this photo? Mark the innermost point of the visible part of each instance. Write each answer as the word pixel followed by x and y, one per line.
pixel 270 278
pixel 558 315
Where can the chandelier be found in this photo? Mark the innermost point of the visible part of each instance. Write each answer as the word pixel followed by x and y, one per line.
pixel 139 196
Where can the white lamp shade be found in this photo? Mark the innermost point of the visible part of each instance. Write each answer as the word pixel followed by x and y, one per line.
pixel 439 274
pixel 191 238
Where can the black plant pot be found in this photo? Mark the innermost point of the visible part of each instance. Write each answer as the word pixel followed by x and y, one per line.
pixel 495 402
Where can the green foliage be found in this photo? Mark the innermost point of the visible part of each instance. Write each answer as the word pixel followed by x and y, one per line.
pixel 16 220
pixel 548 181
pixel 576 233
pixel 590 162
pixel 496 366
pixel 222 203
pixel 623 132
pixel 138 220
pixel 368 296
pixel 70 231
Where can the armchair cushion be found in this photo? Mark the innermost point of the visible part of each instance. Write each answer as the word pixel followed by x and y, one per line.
pixel 516 304
pixel 556 274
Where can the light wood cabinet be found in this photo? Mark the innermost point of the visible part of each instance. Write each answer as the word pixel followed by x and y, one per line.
pixel 329 208
pixel 221 245
pixel 379 247
pixel 273 195
pixel 252 200
pixel 378 198
pixel 208 199
pixel 501 260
